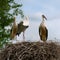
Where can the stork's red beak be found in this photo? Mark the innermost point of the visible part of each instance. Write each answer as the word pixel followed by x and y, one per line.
pixel 44 17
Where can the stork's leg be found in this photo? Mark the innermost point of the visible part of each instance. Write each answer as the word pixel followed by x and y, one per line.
pixel 24 35
pixel 15 38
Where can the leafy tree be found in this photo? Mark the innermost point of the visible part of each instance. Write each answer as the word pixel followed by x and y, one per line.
pixel 8 9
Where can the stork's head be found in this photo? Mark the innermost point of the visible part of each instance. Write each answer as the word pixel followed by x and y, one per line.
pixel 43 16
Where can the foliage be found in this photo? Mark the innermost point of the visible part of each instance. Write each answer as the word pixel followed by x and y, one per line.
pixel 8 9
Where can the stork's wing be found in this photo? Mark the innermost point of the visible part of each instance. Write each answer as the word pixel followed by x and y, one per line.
pixel 40 32
pixel 19 27
pixel 20 23
pixel 46 32
pixel 39 29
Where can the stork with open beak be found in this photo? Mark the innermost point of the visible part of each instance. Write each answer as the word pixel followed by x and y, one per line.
pixel 43 31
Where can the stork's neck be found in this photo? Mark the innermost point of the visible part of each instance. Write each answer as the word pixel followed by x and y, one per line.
pixel 43 21
pixel 14 22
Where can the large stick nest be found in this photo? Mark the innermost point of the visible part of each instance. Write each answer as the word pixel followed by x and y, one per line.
pixel 31 51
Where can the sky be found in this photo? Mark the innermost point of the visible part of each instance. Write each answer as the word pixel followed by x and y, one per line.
pixel 34 9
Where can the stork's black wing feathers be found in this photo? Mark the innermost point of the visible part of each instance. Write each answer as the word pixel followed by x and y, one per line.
pixel 46 33
pixel 39 30
pixel 21 28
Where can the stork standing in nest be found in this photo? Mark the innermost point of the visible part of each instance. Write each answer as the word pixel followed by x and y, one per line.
pixel 14 30
pixel 22 26
pixel 43 31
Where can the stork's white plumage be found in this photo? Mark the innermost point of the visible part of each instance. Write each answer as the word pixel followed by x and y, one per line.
pixel 43 31
pixel 22 26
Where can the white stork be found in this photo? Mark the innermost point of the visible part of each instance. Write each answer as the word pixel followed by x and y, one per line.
pixel 14 30
pixel 22 26
pixel 43 31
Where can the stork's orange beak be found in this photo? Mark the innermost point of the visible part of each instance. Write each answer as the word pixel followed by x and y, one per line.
pixel 44 17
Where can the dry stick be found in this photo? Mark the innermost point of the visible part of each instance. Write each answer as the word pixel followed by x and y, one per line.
pixel 21 56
